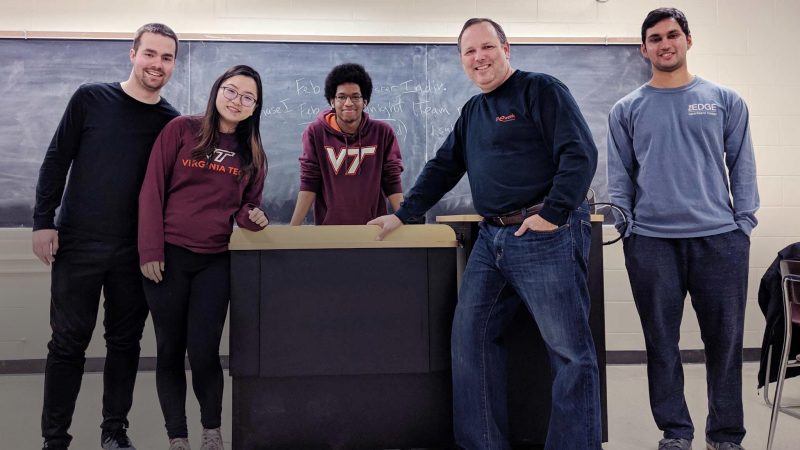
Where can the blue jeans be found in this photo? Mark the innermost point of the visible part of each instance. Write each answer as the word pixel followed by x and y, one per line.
pixel 547 270
pixel 713 270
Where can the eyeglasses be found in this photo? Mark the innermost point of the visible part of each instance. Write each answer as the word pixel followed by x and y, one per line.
pixel 231 94
pixel 355 98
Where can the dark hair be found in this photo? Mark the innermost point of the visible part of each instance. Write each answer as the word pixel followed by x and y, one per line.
pixel 475 20
pixel 156 28
pixel 248 132
pixel 348 73
pixel 657 15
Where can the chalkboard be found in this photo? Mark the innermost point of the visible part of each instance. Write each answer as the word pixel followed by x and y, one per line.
pixel 418 88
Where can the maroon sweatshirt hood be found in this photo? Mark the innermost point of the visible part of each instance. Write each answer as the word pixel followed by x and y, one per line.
pixel 351 173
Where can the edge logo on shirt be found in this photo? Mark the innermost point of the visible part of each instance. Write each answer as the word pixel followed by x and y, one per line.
pixel 703 109
pixel 356 155
pixel 506 118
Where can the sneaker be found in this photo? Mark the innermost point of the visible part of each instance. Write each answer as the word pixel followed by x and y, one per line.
pixel 116 440
pixel 179 444
pixel 711 445
pixel 212 439
pixel 674 444
pixel 51 446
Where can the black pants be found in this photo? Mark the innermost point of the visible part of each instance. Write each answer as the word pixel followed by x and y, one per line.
pixel 82 268
pixel 189 307
pixel 713 270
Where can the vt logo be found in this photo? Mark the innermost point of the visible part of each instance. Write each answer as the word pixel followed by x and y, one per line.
pixel 356 155
pixel 220 154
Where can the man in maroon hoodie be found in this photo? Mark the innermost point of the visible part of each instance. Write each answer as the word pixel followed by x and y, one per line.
pixel 350 164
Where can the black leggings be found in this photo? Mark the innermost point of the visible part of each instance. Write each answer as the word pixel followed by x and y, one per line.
pixel 189 307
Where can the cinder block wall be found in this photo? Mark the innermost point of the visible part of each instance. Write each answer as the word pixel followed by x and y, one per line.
pixel 740 43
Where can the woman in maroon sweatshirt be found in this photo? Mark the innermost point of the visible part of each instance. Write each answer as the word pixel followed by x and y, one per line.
pixel 204 173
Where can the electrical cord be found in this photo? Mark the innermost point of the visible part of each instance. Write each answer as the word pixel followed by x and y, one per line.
pixel 621 213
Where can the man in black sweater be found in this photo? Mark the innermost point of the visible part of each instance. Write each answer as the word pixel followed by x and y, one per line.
pixel 530 159
pixel 103 141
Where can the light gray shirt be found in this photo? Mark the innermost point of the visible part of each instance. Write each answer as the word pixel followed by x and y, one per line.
pixel 681 162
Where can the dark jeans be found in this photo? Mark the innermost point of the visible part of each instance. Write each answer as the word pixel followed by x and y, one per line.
pixel 547 270
pixel 189 307
pixel 82 268
pixel 713 270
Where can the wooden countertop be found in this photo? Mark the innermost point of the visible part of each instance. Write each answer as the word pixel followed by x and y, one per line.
pixel 283 237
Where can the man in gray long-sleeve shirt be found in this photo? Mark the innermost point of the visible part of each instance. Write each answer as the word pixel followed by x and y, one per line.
pixel 681 166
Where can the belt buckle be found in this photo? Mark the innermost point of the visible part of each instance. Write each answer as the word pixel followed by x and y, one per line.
pixel 500 219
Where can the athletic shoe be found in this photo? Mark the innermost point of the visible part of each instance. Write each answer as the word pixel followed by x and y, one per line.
pixel 711 445
pixel 212 439
pixel 116 440
pixel 674 444
pixel 179 444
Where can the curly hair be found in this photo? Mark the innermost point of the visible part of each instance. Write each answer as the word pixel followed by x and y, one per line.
pixel 348 73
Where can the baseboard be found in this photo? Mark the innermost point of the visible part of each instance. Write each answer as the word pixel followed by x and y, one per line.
pixel 687 356
pixel 34 366
pixel 621 357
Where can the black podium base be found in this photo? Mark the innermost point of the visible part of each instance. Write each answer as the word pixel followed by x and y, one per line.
pixel 343 412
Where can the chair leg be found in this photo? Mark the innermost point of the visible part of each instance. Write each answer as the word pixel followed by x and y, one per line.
pixel 765 389
pixel 787 341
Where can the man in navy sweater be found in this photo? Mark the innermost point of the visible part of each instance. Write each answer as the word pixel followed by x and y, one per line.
pixel 530 159
pixel 103 141
pixel 686 179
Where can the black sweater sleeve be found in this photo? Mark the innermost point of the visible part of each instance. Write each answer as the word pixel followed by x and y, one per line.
pixel 57 160
pixel 566 132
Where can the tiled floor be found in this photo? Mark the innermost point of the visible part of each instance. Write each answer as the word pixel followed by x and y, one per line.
pixel 630 425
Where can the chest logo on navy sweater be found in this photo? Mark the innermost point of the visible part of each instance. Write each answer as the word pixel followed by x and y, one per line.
pixel 356 156
pixel 703 109
pixel 506 118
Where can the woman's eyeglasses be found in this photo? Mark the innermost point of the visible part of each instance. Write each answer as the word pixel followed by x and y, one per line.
pixel 231 94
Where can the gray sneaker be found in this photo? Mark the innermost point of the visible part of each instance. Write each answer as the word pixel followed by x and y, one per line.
pixel 116 440
pixel 674 444
pixel 212 439
pixel 711 445
pixel 179 444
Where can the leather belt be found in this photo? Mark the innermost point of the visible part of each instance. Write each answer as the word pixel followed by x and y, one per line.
pixel 516 217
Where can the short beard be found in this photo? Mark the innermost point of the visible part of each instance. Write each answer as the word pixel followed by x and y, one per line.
pixel 150 87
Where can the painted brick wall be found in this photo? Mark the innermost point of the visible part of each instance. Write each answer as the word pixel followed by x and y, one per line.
pixel 741 43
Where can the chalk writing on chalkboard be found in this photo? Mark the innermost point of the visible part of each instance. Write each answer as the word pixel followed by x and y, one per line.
pixel 418 89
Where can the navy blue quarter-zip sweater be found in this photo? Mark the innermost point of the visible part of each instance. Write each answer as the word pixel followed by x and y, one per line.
pixel 524 143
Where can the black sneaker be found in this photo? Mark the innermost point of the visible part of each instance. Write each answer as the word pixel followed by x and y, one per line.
pixel 116 440
pixel 50 446
pixel 711 445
